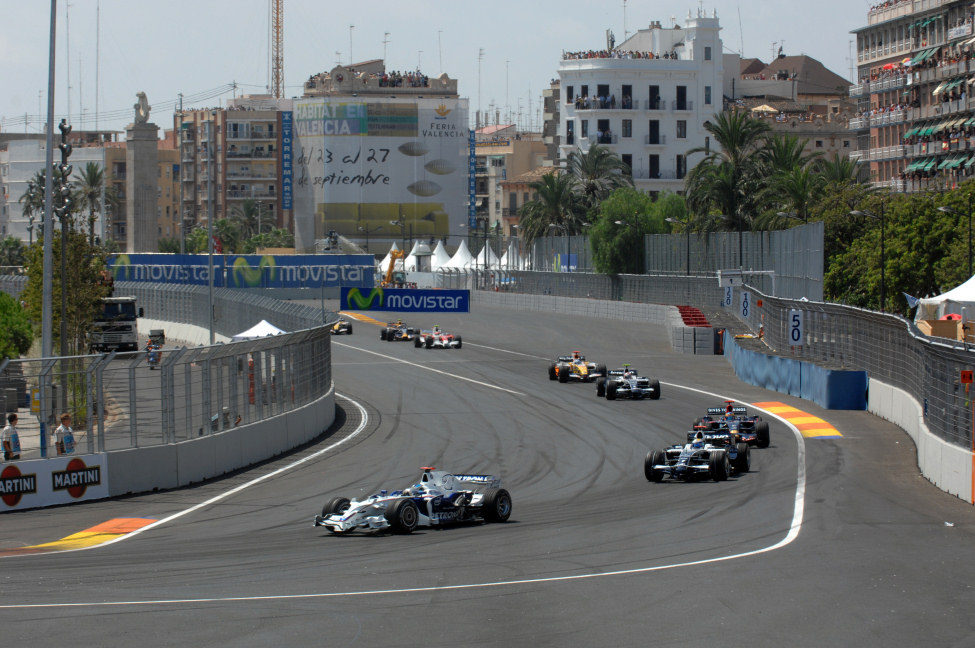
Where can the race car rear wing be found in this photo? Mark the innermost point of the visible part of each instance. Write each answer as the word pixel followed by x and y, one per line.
pixel 620 372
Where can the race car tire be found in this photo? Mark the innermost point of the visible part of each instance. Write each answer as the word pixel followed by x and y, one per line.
pixel 403 516
pixel 601 387
pixel 611 390
pixel 551 372
pixel 743 462
pixel 497 505
pixel 762 434
pixel 417 343
pixel 563 374
pixel 383 334
pixel 718 465
pixel 335 505
pixel 654 458
pixel 460 342
pixel 655 386
pixel 428 341
pixel 350 329
pixel 600 369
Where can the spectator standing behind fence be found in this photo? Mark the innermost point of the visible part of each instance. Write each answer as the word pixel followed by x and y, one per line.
pixel 10 440
pixel 64 436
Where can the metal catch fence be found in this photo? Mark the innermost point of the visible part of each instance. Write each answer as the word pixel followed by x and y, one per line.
pixel 118 401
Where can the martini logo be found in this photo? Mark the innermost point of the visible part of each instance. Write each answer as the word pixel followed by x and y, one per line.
pixel 13 485
pixel 356 300
pixel 76 478
pixel 442 111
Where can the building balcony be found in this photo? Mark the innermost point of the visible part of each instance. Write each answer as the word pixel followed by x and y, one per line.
pixel 859 123
pixel 250 193
pixel 941 109
pixel 885 153
pixel 654 104
pixel 251 175
pixel 663 174
pixel 243 155
pixel 251 135
pixel 677 106
pixel 187 136
pixel 885 51
pixel 606 138
pixel 881 15
pixel 659 140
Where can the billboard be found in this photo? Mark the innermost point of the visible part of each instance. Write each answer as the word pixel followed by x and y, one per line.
pixel 407 300
pixel 247 271
pixel 58 480
pixel 360 163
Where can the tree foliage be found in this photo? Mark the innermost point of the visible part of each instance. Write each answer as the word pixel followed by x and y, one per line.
pixel 15 329
pixel 624 219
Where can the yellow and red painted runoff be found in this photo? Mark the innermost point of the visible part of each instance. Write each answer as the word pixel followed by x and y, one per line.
pixel 96 535
pixel 362 318
pixel 811 427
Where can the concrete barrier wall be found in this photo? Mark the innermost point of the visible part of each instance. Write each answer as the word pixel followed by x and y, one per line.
pixel 684 339
pixel 139 470
pixel 829 388
pixel 947 466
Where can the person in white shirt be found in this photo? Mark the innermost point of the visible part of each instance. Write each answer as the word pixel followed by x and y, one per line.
pixel 63 436
pixel 10 440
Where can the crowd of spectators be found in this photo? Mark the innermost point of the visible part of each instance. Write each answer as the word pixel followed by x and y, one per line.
pixel 889 4
pixel 404 80
pixel 880 110
pixel 616 54
pixel 596 103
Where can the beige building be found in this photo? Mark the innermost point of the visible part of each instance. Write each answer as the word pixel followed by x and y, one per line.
pixel 501 153
pixel 372 78
pixel 516 192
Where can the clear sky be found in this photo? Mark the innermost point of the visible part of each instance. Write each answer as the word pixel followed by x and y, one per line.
pixel 199 47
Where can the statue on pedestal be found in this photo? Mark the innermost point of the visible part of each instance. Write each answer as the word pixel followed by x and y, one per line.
pixel 142 108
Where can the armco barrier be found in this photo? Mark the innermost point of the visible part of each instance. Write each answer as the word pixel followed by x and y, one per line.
pixel 947 466
pixel 828 388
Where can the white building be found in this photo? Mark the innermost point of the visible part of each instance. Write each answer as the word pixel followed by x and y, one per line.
pixel 647 99
pixel 20 161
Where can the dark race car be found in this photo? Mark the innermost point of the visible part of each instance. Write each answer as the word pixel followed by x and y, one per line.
pixel 398 332
pixel 752 429
pixel 341 327
pixel 627 382
pixel 698 459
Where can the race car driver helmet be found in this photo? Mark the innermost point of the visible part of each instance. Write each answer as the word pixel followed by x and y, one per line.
pixel 628 374
pixel 698 440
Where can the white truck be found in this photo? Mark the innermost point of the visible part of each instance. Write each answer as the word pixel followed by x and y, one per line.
pixel 116 327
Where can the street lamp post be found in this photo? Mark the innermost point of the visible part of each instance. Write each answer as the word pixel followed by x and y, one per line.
pixel 883 250
pixel 687 229
pixel 949 210
pixel 368 231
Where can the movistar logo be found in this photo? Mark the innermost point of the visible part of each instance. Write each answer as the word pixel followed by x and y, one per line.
pixel 120 267
pixel 245 275
pixel 356 300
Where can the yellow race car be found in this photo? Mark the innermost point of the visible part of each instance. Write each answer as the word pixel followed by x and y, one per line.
pixel 341 327
pixel 575 367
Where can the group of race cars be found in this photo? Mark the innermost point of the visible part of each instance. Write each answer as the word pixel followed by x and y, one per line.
pixel 718 447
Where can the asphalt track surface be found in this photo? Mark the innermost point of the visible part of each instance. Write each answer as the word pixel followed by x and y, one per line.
pixel 873 563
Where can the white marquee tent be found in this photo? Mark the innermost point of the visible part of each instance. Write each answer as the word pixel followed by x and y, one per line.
pixel 440 257
pixel 953 301
pixel 259 330
pixel 486 259
pixel 409 264
pixel 462 258
pixel 511 259
pixel 384 264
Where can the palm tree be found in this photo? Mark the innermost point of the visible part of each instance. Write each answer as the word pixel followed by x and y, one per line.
pixel 737 136
pixel 794 192
pixel 33 200
pixel 555 204
pixel 596 173
pixel 782 153
pixel 11 252
pixel 89 188
pixel 248 219
pixel 838 170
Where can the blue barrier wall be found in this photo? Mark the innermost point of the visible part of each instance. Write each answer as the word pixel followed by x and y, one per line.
pixel 829 388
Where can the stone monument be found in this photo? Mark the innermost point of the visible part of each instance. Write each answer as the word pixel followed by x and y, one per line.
pixel 141 181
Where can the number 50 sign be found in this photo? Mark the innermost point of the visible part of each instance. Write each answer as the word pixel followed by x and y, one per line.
pixel 796 330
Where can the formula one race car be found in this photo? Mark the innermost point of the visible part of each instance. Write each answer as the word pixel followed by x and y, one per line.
pixel 752 429
pixel 698 459
pixel 627 383
pixel 575 367
pixel 435 338
pixel 398 332
pixel 340 327
pixel 439 498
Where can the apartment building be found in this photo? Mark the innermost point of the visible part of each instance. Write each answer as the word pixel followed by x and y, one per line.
pixel 915 118
pixel 501 152
pixel 646 98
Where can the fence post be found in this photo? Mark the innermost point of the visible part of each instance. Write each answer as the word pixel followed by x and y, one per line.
pixel 169 394
pixel 133 403
pixel 100 397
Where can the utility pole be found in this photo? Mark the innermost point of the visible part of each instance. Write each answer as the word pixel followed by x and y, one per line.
pixel 277 48
pixel 351 27
pixel 385 46
pixel 480 59
pixel 211 169
pixel 440 48
pixel 98 26
pixel 46 337
pixel 64 215
pixel 182 215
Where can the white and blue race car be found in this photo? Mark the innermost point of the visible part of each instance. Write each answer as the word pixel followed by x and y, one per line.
pixel 626 382
pixel 439 498
pixel 700 458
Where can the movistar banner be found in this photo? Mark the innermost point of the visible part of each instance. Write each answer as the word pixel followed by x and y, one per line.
pixel 406 301
pixel 248 271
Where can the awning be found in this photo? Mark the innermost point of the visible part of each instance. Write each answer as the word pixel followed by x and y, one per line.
pixel 930 164
pixel 913 165
pixel 970 122
pixel 941 88
pixel 970 162
pixel 911 132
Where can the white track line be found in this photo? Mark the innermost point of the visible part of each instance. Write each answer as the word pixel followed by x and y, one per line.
pixel 793 533
pixel 419 366
pixel 484 346
pixel 226 494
